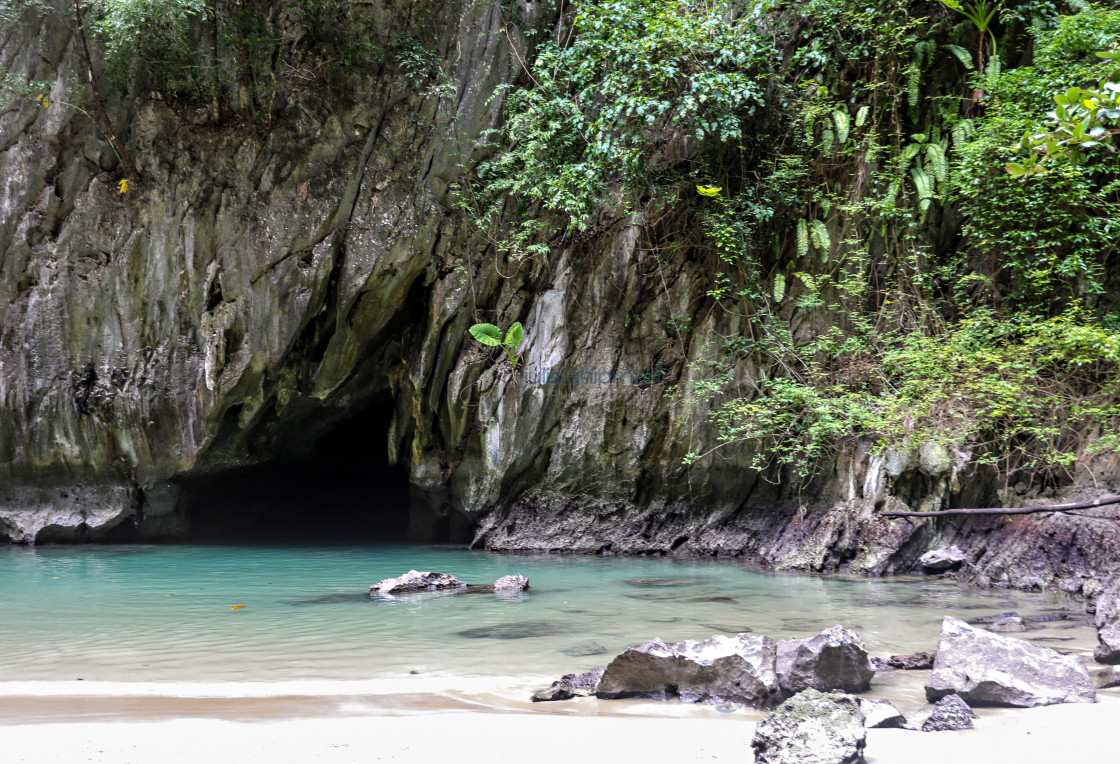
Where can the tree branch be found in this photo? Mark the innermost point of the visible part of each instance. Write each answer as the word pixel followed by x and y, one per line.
pixel 1102 502
pixel 100 101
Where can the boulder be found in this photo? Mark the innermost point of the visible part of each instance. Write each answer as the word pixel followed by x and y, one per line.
pixel 835 659
pixel 882 714
pixel 912 662
pixel 1108 624
pixel 1108 678
pixel 1108 649
pixel 941 560
pixel 571 686
pixel 1009 623
pixel 509 584
pixel 934 460
pixel 415 581
pixel 949 714
pixel 990 669
pixel 737 669
pixel 812 728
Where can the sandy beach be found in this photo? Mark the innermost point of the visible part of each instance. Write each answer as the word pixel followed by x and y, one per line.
pixel 423 727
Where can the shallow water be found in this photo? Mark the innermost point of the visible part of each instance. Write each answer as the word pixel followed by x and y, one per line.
pixel 163 613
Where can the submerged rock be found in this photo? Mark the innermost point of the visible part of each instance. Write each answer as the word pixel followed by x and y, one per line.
pixel 587 648
pixel 812 728
pixel 835 659
pixel 912 662
pixel 1008 624
pixel 882 714
pixel 941 560
pixel 514 630
pixel 949 714
pixel 991 669
pixel 571 686
pixel 416 581
pixel 737 669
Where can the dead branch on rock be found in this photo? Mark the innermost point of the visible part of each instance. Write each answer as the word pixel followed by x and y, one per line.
pixel 1102 502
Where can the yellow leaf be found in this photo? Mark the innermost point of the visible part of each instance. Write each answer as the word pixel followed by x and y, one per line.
pixel 42 99
pixel 709 190
pixel 237 607
pixel 123 185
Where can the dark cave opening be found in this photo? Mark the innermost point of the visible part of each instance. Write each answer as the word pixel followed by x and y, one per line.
pixel 341 490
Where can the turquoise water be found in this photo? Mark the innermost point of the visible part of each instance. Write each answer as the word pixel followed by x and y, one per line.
pixel 163 613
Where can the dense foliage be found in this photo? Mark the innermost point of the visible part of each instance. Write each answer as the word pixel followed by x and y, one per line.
pixel 860 162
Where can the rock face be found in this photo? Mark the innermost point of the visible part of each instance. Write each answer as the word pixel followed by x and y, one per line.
pixel 835 659
pixel 989 669
pixel 949 714
pixel 737 669
pixel 942 560
pixel 416 581
pixel 571 686
pixel 1108 624
pixel 881 714
pixel 812 728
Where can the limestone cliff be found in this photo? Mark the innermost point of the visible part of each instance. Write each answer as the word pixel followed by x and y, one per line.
pixel 271 274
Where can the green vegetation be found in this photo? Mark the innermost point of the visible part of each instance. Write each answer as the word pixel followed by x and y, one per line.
pixel 490 335
pixel 894 174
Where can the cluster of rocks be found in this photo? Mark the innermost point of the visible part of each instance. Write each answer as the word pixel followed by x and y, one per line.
pixel 746 669
pixel 811 683
pixel 429 581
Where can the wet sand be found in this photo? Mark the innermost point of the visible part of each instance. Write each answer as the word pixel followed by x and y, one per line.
pixel 466 726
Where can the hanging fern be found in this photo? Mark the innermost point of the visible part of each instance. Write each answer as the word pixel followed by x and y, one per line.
pixel 962 55
pixel 779 287
pixel 802 238
pixel 842 125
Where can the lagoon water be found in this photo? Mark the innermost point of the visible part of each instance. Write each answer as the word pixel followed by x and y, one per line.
pixel 165 613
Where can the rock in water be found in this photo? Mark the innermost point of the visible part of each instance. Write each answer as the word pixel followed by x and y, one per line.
pixel 812 728
pixel 571 686
pixel 950 713
pixel 986 668
pixel 415 581
pixel 737 669
pixel 835 659
pixel 1108 650
pixel 912 662
pixel 1010 623
pixel 1108 624
pixel 882 714
pixel 1107 679
pixel 941 560
pixel 511 584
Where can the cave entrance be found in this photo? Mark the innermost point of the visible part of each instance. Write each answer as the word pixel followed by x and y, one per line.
pixel 341 490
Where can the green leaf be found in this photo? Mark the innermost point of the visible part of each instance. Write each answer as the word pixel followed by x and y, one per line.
pixel 861 115
pixel 821 237
pixel 842 125
pixel 487 334
pixel 513 338
pixel 1015 170
pixel 802 238
pixel 779 287
pixel 962 55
